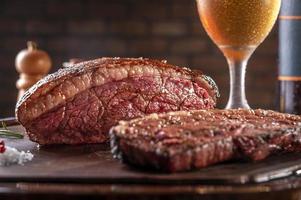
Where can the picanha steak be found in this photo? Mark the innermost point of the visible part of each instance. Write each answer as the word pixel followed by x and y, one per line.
pixel 185 140
pixel 81 102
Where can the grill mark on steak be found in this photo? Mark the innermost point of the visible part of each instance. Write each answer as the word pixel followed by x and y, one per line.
pixel 80 111
pixel 184 140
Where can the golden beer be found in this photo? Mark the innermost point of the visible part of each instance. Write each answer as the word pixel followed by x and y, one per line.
pixel 238 27
pixel 238 24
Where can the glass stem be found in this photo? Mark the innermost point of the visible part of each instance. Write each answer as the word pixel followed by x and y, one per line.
pixel 237 97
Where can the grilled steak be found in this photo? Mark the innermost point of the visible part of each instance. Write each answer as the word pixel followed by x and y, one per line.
pixel 184 140
pixel 79 103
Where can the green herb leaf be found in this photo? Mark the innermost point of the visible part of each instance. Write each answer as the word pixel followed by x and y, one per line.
pixel 6 133
pixel 10 134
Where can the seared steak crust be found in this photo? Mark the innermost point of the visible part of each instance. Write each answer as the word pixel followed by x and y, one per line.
pixel 79 103
pixel 184 140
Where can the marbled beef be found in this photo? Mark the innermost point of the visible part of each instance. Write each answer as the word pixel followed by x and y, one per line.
pixel 80 103
pixel 186 140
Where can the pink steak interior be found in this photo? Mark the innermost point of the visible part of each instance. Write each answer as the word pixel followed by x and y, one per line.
pixel 88 116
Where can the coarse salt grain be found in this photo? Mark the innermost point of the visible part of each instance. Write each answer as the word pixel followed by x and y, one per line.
pixel 13 156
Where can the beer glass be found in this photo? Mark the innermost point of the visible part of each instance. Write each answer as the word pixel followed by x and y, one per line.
pixel 237 27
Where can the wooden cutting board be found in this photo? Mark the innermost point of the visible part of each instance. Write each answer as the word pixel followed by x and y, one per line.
pixel 94 164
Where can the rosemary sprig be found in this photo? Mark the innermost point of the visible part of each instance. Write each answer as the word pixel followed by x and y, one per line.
pixel 5 132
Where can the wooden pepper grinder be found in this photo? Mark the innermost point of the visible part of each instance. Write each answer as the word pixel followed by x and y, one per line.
pixel 32 65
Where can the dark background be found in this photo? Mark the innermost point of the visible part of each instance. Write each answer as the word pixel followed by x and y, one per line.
pixel 163 29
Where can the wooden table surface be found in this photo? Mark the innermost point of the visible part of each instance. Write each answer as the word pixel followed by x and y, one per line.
pixel 79 172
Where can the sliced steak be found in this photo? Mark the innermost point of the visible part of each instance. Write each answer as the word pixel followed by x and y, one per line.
pixel 185 140
pixel 80 103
